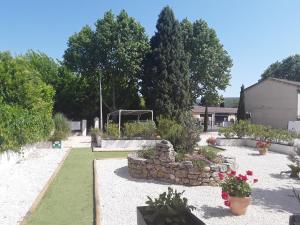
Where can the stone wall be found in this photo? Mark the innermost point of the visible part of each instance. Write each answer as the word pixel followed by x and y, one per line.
pixel 163 167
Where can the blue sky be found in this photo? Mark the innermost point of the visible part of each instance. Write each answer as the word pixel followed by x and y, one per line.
pixel 256 33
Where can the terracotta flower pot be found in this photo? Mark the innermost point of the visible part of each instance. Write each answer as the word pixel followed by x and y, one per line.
pixel 263 151
pixel 238 206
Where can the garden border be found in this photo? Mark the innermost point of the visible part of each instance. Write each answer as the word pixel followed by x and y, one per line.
pixel 40 196
pixel 278 148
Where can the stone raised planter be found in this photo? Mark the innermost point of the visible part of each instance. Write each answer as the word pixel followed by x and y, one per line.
pixel 279 148
pixel 163 167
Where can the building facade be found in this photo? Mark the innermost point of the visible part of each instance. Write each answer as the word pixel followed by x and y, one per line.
pixel 274 102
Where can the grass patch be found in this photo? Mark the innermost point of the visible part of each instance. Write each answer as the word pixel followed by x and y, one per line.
pixel 69 199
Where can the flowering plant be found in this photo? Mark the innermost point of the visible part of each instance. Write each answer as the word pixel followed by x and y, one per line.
pixel 211 141
pixel 263 144
pixel 236 185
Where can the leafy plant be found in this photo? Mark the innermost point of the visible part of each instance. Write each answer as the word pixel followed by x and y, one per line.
pixel 236 186
pixel 112 130
pixel 168 209
pixel 95 132
pixel 179 157
pixel 146 152
pixel 139 129
pixel 61 128
pixel 200 164
pixel 208 154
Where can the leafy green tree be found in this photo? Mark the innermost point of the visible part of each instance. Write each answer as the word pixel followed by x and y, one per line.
pixel 165 80
pixel 288 68
pixel 114 51
pixel 26 104
pixel 241 113
pixel 209 63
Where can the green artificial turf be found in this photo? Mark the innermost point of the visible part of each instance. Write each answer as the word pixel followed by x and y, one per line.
pixel 69 198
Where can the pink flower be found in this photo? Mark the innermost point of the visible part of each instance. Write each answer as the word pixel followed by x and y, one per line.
pixel 232 173
pixel 225 195
pixel 227 203
pixel 249 172
pixel 221 176
pixel 255 181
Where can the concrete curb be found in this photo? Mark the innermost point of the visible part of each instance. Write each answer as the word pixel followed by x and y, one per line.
pixel 97 215
pixel 44 190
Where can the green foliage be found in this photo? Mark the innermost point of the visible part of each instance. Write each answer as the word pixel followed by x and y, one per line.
pixel 245 129
pixel 288 68
pixel 25 104
pixel 168 209
pixel 208 153
pixel 95 132
pixel 236 187
pixel 241 113
pixel 200 164
pixel 61 127
pixel 184 137
pixel 112 130
pixel 180 156
pixel 114 50
pixel 209 63
pixel 146 153
pixel 139 129
pixel 165 79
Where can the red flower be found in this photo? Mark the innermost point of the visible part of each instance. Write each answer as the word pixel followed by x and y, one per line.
pixel 255 181
pixel 249 172
pixel 221 176
pixel 232 173
pixel 241 177
pixel 225 195
pixel 227 203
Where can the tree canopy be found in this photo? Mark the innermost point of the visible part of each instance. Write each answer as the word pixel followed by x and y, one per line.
pixel 288 68
pixel 209 64
pixel 165 79
pixel 115 50
pixel 26 103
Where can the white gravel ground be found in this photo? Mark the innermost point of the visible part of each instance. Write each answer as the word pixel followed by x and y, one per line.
pixel 22 182
pixel 272 204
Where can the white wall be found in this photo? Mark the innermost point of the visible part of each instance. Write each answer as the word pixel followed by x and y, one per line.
pixel 272 103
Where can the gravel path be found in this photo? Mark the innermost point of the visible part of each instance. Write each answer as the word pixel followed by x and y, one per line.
pixel 22 182
pixel 273 200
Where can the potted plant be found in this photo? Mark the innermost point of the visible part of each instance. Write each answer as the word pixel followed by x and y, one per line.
pixel 211 141
pixel 263 147
pixel 95 137
pixel 61 130
pixel 168 209
pixel 236 191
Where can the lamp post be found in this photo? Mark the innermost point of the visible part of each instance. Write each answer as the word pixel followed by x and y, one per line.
pixel 100 94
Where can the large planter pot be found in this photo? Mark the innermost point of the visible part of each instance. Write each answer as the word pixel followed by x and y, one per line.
pixel 294 219
pixel 263 151
pixel 238 206
pixel 141 211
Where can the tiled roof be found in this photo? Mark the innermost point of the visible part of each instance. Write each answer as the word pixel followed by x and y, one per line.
pixel 201 109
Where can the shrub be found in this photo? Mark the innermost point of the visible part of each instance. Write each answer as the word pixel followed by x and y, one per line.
pixel 200 164
pixel 208 154
pixel 95 132
pixel 184 137
pixel 139 129
pixel 61 128
pixel 112 130
pixel 179 157
pixel 227 132
pixel 169 208
pixel 146 153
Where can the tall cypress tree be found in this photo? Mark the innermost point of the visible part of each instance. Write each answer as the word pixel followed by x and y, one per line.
pixel 241 113
pixel 165 79
pixel 205 119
